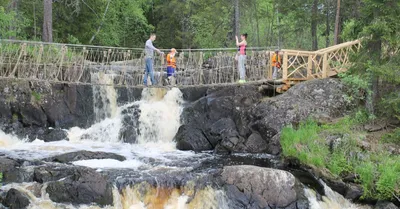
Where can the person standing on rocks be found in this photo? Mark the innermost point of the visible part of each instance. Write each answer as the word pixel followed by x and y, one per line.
pixel 242 57
pixel 276 63
pixel 149 56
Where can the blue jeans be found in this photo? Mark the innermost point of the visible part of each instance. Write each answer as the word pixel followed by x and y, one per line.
pixel 149 71
pixel 275 72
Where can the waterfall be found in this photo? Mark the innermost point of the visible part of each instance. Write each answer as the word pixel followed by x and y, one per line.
pixel 331 200
pixel 154 119
pixel 104 96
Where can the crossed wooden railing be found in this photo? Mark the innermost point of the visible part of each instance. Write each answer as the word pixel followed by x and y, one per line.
pixel 82 65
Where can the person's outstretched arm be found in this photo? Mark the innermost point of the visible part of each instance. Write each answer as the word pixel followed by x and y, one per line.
pixel 150 45
pixel 241 43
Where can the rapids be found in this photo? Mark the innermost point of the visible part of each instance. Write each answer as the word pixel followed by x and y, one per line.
pixel 153 158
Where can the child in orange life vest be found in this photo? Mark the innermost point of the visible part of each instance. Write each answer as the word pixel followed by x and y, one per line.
pixel 171 66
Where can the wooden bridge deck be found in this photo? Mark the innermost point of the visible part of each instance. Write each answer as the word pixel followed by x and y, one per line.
pixel 111 66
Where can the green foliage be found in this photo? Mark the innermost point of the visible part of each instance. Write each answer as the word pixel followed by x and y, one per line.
pixel 378 172
pixel 390 105
pixel 393 137
pixel 1 177
pixel 358 87
pixel 37 96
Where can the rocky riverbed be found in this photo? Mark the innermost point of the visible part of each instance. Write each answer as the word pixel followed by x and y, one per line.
pixel 90 147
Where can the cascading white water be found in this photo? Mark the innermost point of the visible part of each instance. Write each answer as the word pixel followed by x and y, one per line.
pixel 331 200
pixel 159 119
pixel 104 96
pixel 158 122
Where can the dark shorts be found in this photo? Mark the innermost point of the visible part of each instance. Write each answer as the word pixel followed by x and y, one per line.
pixel 170 71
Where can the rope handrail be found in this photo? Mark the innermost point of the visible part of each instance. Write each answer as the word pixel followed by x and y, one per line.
pixel 128 48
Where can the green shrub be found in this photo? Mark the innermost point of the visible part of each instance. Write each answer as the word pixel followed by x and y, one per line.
pixel 378 172
pixel 393 137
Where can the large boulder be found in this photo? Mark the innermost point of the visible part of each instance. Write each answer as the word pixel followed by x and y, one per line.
pixel 15 200
pixel 266 187
pixel 315 98
pixel 84 186
pixel 190 138
pixel 130 124
pixel 222 110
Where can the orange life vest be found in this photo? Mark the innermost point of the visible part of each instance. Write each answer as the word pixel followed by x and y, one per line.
pixel 276 61
pixel 171 62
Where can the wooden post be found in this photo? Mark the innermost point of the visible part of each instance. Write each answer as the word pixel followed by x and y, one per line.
pixel 309 66
pixel 201 68
pixel 325 66
pixel 285 66
pixel 269 69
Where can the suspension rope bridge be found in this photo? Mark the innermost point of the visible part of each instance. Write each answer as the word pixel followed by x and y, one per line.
pixel 124 67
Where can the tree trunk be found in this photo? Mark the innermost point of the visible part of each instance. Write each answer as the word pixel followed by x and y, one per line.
pixel 14 7
pixel 47 21
pixel 314 25
pixel 328 28
pixel 257 23
pixel 101 24
pixel 337 23
pixel 237 16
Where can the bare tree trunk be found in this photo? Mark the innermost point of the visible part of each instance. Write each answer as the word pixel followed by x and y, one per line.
pixel 47 21
pixel 237 16
pixel 257 23
pixel 314 25
pixel 337 22
pixel 14 7
pixel 328 28
pixel 101 24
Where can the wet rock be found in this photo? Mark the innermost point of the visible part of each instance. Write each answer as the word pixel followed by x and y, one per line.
pixel 266 187
pixel 7 164
pixel 84 155
pixel 52 135
pixel 18 175
pixel 15 200
pixel 39 105
pixel 350 191
pixel 220 107
pixel 219 129
pixel 45 174
pixel 84 186
pixel 190 138
pixel 130 124
pixel 385 205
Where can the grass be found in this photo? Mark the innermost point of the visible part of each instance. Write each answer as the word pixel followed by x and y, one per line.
pixel 378 171
pixel 36 95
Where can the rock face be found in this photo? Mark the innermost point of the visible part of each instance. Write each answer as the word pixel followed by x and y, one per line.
pixel 15 200
pixel 219 116
pixel 237 119
pixel 84 186
pixel 27 108
pixel 266 187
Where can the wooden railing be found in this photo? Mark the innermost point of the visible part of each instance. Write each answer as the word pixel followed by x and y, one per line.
pixel 305 65
pixel 82 65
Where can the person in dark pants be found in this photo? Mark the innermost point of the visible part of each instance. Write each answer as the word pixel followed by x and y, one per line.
pixel 149 54
pixel 171 67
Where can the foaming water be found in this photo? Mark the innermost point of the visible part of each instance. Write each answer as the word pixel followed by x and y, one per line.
pixel 8 140
pixel 104 97
pixel 331 200
pixel 159 119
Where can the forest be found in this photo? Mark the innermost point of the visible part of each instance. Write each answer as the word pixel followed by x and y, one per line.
pixel 294 24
